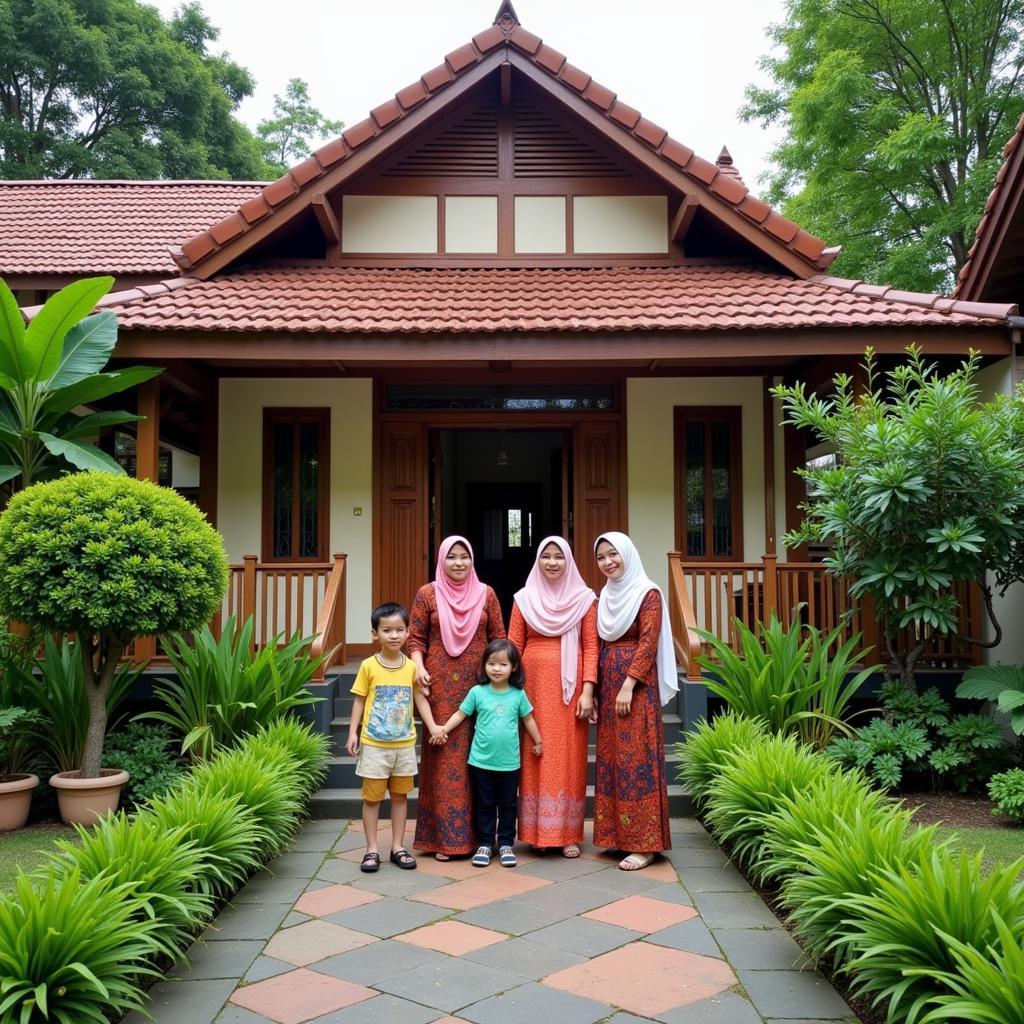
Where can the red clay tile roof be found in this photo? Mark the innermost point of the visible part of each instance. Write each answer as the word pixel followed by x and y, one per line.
pixel 98 227
pixel 693 298
pixel 718 182
pixel 1010 176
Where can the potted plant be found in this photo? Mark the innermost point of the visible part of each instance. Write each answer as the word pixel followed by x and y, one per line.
pixel 15 785
pixel 108 559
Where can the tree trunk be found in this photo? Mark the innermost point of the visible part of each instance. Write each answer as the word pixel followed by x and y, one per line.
pixel 98 680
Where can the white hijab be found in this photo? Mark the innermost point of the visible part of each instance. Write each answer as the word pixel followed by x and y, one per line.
pixel 619 603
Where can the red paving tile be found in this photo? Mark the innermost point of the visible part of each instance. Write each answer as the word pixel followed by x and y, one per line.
pixel 311 941
pixel 332 899
pixel 493 883
pixel 299 996
pixel 642 914
pixel 645 979
pixel 452 937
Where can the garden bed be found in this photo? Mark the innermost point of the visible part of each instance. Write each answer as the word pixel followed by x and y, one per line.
pixel 28 848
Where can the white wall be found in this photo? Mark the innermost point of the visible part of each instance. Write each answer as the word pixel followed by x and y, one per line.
pixel 239 492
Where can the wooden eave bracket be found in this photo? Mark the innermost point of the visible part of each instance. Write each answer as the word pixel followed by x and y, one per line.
pixel 684 218
pixel 326 219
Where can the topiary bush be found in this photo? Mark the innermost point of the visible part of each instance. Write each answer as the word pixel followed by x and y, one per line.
pixel 111 559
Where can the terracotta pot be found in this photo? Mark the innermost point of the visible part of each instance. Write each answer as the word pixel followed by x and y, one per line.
pixel 15 800
pixel 85 801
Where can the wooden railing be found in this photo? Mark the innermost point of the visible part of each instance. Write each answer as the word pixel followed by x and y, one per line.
pixel 684 622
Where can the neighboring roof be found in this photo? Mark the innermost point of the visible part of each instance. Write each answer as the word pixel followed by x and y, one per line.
pixel 1002 221
pixel 340 300
pixel 507 39
pixel 100 227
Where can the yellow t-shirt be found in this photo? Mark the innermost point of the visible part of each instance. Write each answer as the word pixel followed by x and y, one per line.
pixel 387 716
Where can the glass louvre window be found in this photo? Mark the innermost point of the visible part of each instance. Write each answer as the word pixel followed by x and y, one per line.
pixel 708 498
pixel 295 485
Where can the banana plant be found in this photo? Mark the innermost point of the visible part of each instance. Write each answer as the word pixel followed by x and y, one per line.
pixel 48 370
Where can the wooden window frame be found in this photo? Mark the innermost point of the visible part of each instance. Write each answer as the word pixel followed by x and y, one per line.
pixel 707 414
pixel 273 415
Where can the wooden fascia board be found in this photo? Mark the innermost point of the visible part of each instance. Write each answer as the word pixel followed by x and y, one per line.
pixel 661 169
pixel 354 165
pixel 326 219
pixel 1009 203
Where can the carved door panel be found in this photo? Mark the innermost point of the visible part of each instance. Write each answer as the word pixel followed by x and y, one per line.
pixel 404 525
pixel 599 502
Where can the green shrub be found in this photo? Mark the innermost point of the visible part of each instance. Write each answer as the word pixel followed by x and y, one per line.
pixel 224 692
pixel 883 750
pixel 225 833
pixel 795 680
pixel 144 751
pixel 1006 791
pixel 703 752
pixel 1003 684
pixel 157 866
pixel 305 750
pixel 906 921
pixel 72 951
pixel 750 785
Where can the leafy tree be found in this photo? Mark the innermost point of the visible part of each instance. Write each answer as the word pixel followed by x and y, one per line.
pixel 109 559
pixel 47 371
pixel 286 135
pixel 108 89
pixel 926 494
pixel 896 112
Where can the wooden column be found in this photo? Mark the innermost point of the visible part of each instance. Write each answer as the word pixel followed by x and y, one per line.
pixel 771 545
pixel 147 437
pixel 796 490
pixel 209 452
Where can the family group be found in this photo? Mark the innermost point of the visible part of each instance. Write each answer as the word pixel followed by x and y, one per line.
pixel 569 658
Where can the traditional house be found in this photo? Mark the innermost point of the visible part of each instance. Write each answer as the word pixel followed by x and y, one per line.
pixel 506 305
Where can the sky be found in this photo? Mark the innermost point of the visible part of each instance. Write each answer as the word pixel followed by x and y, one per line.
pixel 683 64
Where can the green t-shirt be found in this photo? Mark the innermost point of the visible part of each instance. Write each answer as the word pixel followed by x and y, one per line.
pixel 496 734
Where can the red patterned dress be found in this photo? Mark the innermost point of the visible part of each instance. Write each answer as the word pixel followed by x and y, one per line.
pixel 444 815
pixel 631 801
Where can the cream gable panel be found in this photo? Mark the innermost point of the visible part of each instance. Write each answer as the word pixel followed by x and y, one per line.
pixel 471 224
pixel 389 224
pixel 540 224
pixel 622 224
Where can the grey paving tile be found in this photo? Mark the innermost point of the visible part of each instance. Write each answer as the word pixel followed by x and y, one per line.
pixel 512 916
pixel 450 985
pixel 335 870
pixel 559 868
pixel 317 883
pixel 694 840
pixel 398 883
pixel 688 824
pixel 383 1009
pixel 173 1002
pixel 807 1020
pixel 296 865
pixel 353 839
pixel 628 1018
pixel 715 879
pixel 761 949
pixel 530 1003
pixel 725 1008
pixel 267 888
pixel 697 857
pixel 208 960
pixel 294 917
pixel 370 964
pixel 734 910
pixel 388 917
pixel 778 993
pixel 583 936
pixel 333 825
pixel 574 897
pixel 247 921
pixel 691 936
pixel 264 967
pixel 312 842
pixel 530 960
pixel 621 883
pixel 671 892
pixel 239 1015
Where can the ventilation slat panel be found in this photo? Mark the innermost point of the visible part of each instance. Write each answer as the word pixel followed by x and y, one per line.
pixel 466 149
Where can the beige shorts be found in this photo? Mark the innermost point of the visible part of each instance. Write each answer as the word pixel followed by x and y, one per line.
pixel 385 768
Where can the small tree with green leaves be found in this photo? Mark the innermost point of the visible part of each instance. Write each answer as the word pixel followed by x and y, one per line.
pixel 926 494
pixel 109 559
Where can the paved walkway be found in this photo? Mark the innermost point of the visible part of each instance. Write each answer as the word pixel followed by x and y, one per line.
pixel 685 941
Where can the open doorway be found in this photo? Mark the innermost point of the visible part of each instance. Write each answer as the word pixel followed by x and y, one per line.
pixel 504 490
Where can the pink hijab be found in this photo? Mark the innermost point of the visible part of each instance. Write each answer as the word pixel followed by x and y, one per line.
pixel 556 608
pixel 459 604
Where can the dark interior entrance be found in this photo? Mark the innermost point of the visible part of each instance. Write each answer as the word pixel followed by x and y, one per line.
pixel 504 490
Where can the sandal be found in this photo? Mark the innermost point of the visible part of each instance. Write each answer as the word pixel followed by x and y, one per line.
pixel 404 859
pixel 572 851
pixel 635 861
pixel 442 857
pixel 370 862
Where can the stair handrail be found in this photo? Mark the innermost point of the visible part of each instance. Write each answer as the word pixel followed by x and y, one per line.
pixel 684 620
pixel 329 637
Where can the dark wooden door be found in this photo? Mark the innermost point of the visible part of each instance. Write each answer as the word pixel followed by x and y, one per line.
pixel 598 500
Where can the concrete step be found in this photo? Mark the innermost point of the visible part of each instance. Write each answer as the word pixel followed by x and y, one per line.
pixel 347 802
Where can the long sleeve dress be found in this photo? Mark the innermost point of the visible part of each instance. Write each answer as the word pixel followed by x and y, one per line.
pixel 553 787
pixel 444 816
pixel 631 801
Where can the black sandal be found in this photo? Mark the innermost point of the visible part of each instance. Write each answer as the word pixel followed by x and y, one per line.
pixel 370 862
pixel 404 859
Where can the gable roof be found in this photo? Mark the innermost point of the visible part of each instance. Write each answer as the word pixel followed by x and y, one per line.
pixel 507 42
pixel 107 227
pixel 1001 224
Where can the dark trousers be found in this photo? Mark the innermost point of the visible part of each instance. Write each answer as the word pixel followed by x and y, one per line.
pixel 495 796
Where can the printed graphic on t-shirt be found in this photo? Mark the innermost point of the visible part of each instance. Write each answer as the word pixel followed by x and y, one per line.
pixel 391 714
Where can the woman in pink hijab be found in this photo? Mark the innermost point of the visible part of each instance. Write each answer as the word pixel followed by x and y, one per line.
pixel 554 625
pixel 452 621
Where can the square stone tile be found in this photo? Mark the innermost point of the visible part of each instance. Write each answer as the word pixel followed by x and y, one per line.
pixel 761 949
pixel 236 1015
pixel 696 857
pixel 332 899
pixel 529 960
pixel 456 938
pixel 720 879
pixel 334 825
pixel 691 936
pixel 642 914
pixel 725 1008
pixel 335 870
pixel 313 842
pixel 559 869
pixel 171 1002
pixel 299 996
pixel 588 938
pixel 671 892
pixel 382 1009
pixel 315 940
pixel 388 917
pixel 293 917
pixel 529 1003
pixel 646 979
pixel 734 910
pixel 628 1018
pixel 398 883
pixel 371 964
pixel 624 883
pixel 247 921
pixel 296 865
pixel 489 887
pixel 228 959
pixel 513 917
pixel 777 993
pixel 455 869
pixel 265 967
pixel 573 897
pixel 449 985
pixel 349 840
pixel 267 888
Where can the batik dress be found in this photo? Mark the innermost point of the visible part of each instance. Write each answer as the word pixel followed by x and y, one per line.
pixel 553 787
pixel 444 815
pixel 630 798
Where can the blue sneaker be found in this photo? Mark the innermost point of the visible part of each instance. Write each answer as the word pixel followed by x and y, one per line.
pixel 482 857
pixel 507 857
